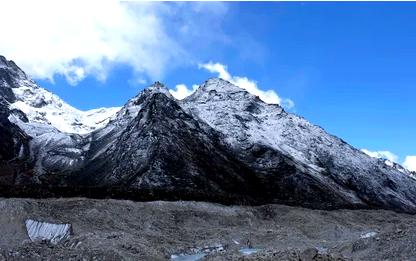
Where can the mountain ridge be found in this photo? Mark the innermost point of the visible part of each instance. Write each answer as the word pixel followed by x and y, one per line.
pixel 219 144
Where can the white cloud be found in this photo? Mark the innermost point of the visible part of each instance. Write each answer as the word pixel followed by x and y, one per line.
pixel 217 68
pixel 410 163
pixel 268 96
pixel 77 38
pixel 381 154
pixel 182 91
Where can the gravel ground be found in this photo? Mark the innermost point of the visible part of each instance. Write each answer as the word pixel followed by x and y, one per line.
pixel 127 230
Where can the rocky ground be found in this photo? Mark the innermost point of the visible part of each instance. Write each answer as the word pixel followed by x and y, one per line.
pixel 127 230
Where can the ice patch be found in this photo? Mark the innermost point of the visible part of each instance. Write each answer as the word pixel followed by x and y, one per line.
pixel 368 235
pixel 54 233
pixel 322 250
pixel 21 151
pixel 185 257
pixel 248 251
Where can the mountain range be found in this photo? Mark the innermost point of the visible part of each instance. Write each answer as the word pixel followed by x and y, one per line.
pixel 220 144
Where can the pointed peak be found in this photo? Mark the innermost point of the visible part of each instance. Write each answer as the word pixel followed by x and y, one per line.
pixel 216 80
pixel 215 86
pixel 148 95
pixel 158 87
pixel 3 60
pixel 158 84
pixel 8 63
pixel 12 68
pixel 220 85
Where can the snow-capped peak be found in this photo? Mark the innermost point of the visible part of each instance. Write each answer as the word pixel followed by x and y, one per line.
pixel 10 65
pixel 41 106
pixel 220 85
pixel 157 87
pixel 130 110
pixel 10 74
pixel 245 120
pixel 3 62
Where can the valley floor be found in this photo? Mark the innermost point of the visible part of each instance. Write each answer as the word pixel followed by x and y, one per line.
pixel 127 230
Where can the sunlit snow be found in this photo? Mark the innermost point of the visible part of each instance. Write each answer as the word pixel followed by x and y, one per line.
pixel 42 106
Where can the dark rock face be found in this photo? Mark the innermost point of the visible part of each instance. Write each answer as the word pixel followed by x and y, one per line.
pixel 10 75
pixel 220 144
pixel 7 93
pixel 14 149
pixel 163 150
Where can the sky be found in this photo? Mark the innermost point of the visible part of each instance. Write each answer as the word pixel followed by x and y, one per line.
pixel 349 67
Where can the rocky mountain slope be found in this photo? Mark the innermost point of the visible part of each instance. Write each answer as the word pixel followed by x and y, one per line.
pixel 219 144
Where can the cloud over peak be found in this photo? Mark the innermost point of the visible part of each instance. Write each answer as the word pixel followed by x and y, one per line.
pixel 268 96
pixel 181 91
pixel 381 155
pixel 410 163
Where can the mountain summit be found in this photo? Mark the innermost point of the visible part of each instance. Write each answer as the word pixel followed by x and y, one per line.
pixel 220 144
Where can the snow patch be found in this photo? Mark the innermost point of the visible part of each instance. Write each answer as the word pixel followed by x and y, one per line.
pixel 368 234
pixel 322 250
pixel 248 251
pixel 185 257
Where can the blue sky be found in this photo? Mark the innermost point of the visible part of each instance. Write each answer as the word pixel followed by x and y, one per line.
pixel 348 67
